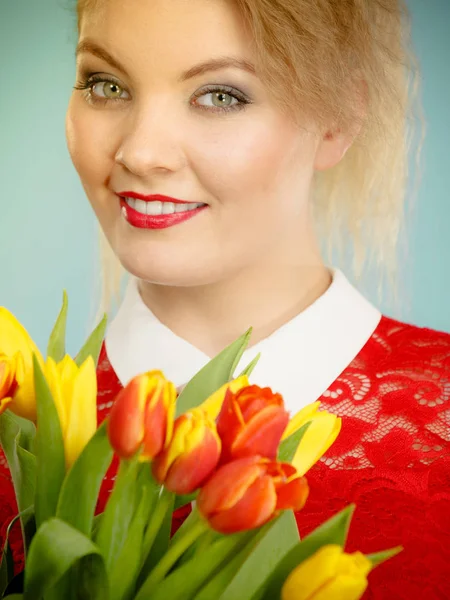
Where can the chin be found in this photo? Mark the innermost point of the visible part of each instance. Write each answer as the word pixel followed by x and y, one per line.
pixel 170 273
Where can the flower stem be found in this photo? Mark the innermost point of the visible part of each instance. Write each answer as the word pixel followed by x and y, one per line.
pixel 170 558
pixel 157 518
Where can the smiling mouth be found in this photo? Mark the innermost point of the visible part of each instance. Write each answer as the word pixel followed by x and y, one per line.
pixel 157 207
pixel 157 214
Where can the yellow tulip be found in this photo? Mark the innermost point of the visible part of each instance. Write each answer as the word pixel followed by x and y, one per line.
pixel 74 391
pixel 319 436
pixel 329 574
pixel 213 404
pixel 14 339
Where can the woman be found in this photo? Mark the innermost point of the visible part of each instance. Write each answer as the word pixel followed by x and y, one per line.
pixel 212 138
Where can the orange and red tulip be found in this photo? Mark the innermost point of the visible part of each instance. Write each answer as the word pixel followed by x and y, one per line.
pixel 248 492
pixel 142 416
pixel 192 454
pixel 252 421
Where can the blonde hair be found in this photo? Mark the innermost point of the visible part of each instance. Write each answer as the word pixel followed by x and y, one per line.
pixel 320 59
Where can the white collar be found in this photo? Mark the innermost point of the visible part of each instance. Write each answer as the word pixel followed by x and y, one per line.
pixel 300 360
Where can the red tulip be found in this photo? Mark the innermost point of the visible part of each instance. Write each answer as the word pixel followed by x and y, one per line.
pixel 248 492
pixel 192 454
pixel 251 422
pixel 142 416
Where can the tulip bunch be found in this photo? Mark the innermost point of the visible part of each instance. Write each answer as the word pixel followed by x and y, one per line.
pixel 224 446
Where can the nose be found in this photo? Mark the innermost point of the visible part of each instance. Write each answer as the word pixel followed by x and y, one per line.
pixel 150 142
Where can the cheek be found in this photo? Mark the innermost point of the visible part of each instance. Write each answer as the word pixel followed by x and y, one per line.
pixel 254 161
pixel 90 143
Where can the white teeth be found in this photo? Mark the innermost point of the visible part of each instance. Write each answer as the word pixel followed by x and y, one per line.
pixel 154 208
pixel 160 208
pixel 140 206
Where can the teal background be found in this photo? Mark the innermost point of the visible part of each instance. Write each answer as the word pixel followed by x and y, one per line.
pixel 48 236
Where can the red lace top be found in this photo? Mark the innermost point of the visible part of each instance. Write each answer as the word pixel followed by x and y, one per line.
pixel 392 459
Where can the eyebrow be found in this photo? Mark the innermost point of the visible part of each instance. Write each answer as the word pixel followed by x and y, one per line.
pixel 215 64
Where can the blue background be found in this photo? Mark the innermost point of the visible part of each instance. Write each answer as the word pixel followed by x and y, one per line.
pixel 48 235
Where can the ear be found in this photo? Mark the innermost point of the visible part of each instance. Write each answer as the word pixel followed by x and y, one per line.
pixel 332 148
pixel 335 142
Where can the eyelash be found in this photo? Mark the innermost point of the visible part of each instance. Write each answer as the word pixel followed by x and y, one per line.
pixel 87 83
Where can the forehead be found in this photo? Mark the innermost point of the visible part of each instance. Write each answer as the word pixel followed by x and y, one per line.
pixel 167 32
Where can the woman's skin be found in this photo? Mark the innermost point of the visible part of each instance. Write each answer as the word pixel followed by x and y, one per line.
pixel 251 257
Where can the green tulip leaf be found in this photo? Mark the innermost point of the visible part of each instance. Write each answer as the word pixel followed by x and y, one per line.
pixel 50 468
pixel 56 548
pixel 288 447
pixel 333 531
pixel 380 557
pixel 160 540
pixel 79 492
pixel 249 368
pixel 93 344
pixel 217 584
pixel 278 538
pixel 126 568
pixel 56 348
pixel 185 581
pixel 113 528
pixel 17 436
pixel 14 597
pixel 181 501
pixel 213 376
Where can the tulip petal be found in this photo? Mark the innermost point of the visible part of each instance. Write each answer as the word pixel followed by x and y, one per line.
pixel 155 425
pixel 191 469
pixel 300 418
pixel 177 446
pixel 329 574
pixel 254 509
pixel 229 484
pixel 82 422
pixel 319 436
pixel 262 434
pixel 14 338
pixel 293 494
pixel 125 421
pixel 213 404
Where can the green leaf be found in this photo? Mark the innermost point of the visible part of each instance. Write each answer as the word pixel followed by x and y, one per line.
pixel 17 437
pixel 79 492
pixel 181 501
pixel 380 557
pixel 93 344
pixel 56 348
pixel 288 447
pixel 333 531
pixel 160 544
pixel 114 525
pixel 55 549
pixel 214 375
pixel 276 541
pixel 249 368
pixel 14 597
pixel 185 581
pixel 125 571
pixel 51 468
pixel 222 578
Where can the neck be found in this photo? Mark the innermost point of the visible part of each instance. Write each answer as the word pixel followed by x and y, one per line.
pixel 264 296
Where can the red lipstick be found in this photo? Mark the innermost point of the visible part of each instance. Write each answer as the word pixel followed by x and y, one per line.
pixel 158 221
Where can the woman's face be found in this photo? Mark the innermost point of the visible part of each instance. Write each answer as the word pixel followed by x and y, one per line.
pixel 161 116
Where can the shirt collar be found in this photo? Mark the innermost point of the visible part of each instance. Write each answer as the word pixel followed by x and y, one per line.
pixel 300 360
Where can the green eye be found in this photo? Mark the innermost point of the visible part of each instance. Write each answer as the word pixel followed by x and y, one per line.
pixel 221 99
pixel 111 90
